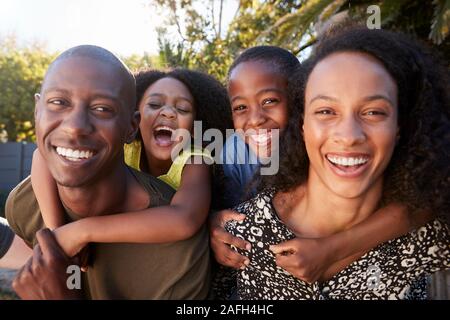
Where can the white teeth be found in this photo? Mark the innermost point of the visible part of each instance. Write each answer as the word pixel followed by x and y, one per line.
pixel 164 128
pixel 75 155
pixel 261 138
pixel 347 161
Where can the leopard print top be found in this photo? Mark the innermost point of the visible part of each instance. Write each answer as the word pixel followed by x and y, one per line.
pixel 396 269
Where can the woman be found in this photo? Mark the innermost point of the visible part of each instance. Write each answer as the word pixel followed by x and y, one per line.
pixel 370 126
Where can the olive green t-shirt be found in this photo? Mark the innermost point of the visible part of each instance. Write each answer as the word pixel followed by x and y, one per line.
pixel 176 270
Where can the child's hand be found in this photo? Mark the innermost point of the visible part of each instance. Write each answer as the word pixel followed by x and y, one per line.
pixel 68 237
pixel 306 259
pixel 221 240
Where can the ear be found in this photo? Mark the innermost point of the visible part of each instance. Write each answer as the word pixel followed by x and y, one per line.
pixel 135 120
pixel 37 97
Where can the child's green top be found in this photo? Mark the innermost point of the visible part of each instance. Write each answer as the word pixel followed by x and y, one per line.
pixel 132 153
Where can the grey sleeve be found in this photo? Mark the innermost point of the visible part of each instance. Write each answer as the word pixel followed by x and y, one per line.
pixel 6 237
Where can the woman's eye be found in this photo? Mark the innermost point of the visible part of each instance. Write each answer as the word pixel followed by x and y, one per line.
pixel 375 113
pixel 183 110
pixel 239 107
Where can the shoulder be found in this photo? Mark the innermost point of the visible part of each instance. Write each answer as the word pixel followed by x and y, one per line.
pixel 22 211
pixel 160 192
pixel 426 249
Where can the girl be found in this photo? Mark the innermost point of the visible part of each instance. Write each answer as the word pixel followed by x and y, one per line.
pixel 368 126
pixel 167 101
pixel 257 87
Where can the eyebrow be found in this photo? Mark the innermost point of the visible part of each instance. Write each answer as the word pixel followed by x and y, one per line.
pixel 260 92
pixel 366 99
pixel 67 92
pixel 163 95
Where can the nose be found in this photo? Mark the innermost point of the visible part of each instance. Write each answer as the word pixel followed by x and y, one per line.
pixel 256 117
pixel 168 112
pixel 77 122
pixel 349 131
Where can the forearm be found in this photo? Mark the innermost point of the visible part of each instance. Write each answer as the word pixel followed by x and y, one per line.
pixel 17 255
pixel 44 187
pixel 155 225
pixel 387 223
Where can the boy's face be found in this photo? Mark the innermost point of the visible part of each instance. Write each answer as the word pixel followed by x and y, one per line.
pixel 258 96
pixel 83 118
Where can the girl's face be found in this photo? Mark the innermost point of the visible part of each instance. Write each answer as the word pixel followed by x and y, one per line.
pixel 259 103
pixel 350 122
pixel 166 105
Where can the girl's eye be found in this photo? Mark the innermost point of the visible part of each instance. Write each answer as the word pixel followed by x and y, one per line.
pixel 154 105
pixel 325 112
pixel 183 110
pixel 240 107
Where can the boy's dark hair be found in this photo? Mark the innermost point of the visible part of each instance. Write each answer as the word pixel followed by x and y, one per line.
pixel 281 59
pixel 418 173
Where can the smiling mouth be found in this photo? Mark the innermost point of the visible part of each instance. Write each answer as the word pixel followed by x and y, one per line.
pixel 348 164
pixel 164 136
pixel 262 139
pixel 74 155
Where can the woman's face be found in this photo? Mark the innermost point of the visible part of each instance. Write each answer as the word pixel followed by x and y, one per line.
pixel 166 105
pixel 350 122
pixel 259 103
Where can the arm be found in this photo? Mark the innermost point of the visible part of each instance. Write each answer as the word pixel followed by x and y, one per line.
pixel 309 259
pixel 44 188
pixel 17 254
pixel 180 220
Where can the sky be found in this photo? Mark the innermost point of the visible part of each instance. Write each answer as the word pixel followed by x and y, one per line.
pixel 122 26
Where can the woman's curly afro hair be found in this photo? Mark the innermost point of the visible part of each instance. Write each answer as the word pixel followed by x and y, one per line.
pixel 418 173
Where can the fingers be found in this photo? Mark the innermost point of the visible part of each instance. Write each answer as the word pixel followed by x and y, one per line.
pixel 23 284
pixel 229 257
pixel 283 248
pixel 48 243
pixel 223 216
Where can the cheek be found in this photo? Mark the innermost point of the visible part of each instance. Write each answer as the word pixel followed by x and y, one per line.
pixel 385 140
pixel 186 122
pixel 281 116
pixel 238 122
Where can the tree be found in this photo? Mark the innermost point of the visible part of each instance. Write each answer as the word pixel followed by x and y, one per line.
pixel 21 72
pixel 204 43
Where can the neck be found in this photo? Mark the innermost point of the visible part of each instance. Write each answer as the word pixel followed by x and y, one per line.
pixel 106 195
pixel 321 212
pixel 157 167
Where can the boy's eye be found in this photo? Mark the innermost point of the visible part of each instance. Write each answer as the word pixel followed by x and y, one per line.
pixel 269 101
pixel 240 107
pixel 57 101
pixel 375 113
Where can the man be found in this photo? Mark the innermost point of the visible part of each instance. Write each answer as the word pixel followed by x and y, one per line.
pixel 87 104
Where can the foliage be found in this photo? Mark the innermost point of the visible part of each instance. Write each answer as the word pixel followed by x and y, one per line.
pixel 203 44
pixel 22 69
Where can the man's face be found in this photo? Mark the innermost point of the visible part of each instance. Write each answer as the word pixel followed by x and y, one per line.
pixel 83 118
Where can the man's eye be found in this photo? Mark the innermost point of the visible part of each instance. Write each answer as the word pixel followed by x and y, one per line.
pixel 57 101
pixel 102 109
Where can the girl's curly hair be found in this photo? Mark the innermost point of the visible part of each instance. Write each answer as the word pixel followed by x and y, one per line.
pixel 418 173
